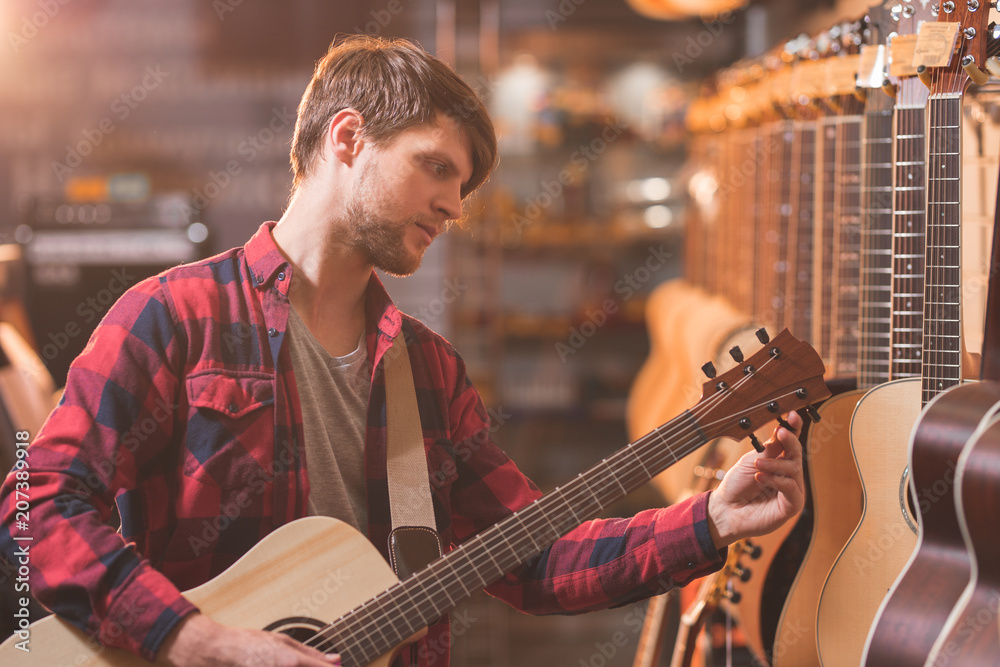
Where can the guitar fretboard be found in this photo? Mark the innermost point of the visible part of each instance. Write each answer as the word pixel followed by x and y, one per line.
pixel 799 283
pixel 909 221
pixel 875 340
pixel 847 247
pixel 942 350
pixel 826 157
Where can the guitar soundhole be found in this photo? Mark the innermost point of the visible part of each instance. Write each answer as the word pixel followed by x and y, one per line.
pixel 299 628
pixel 906 506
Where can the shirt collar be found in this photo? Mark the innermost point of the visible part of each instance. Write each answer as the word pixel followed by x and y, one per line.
pixel 265 261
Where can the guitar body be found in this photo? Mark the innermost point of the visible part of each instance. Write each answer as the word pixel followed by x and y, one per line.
pixel 971 636
pixel 299 578
pixel 886 535
pixel 837 499
pixel 656 382
pixel 922 598
pixel 685 327
pixel 709 335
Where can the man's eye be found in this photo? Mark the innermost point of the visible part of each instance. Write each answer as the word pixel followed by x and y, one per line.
pixel 438 168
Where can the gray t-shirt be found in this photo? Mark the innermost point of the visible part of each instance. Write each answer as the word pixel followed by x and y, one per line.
pixel 333 392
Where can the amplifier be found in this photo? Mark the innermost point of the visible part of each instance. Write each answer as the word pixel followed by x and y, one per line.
pixel 171 211
pixel 80 258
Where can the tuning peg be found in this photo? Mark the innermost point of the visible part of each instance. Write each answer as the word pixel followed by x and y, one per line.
pixel 993 66
pixel 762 336
pixel 743 573
pixel 756 443
pixel 889 88
pixel 813 413
pixel 733 596
pixel 737 354
pixel 978 76
pixel 924 75
pixel 784 424
pixel 751 549
pixel 709 370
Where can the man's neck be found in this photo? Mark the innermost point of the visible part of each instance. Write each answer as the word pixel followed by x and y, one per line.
pixel 330 280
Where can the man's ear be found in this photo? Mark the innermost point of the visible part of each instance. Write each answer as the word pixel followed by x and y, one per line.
pixel 345 137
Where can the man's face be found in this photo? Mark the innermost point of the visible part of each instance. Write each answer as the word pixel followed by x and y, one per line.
pixel 407 190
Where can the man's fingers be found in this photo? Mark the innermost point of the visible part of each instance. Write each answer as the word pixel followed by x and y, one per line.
pixel 784 467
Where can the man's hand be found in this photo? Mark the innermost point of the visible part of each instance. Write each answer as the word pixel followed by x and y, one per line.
pixel 762 491
pixel 198 641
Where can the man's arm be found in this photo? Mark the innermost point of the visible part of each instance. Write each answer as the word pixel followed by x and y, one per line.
pixel 82 457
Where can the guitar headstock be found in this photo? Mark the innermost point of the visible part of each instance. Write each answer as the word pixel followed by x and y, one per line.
pixel 969 51
pixel 786 374
pixel 905 19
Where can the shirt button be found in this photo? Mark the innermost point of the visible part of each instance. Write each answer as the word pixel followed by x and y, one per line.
pixel 691 565
pixel 272 332
pixel 260 278
pixel 281 275
pixel 232 407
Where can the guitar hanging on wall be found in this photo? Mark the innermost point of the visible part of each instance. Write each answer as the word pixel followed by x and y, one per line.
pixel 880 430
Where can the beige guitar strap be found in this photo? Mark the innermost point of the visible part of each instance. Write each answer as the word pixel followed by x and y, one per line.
pixel 414 539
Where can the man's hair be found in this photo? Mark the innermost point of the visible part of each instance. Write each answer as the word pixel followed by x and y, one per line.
pixel 394 85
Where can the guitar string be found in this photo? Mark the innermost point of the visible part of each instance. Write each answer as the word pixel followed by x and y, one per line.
pixel 567 488
pixel 716 397
pixel 436 611
pixel 642 443
pixel 332 637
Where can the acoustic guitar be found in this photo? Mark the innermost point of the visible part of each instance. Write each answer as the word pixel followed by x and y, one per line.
pixel 971 634
pixel 833 478
pixel 953 554
pixel 369 615
pixel 880 430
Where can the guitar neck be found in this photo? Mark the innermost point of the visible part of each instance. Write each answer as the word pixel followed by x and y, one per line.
pixel 847 247
pixel 941 367
pixel 826 165
pixel 800 280
pixel 909 223
pixel 389 619
pixel 875 307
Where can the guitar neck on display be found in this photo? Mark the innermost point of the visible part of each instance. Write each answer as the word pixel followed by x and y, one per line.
pixel 784 375
pixel 929 585
pixel 832 478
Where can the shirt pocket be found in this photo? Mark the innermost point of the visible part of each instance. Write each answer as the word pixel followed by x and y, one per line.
pixel 230 426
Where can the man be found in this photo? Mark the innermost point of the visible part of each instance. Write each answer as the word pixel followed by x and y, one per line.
pixel 207 389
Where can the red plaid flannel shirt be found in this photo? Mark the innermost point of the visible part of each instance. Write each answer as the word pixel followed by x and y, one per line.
pixel 183 410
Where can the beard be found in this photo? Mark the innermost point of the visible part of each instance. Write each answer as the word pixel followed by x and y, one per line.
pixel 378 237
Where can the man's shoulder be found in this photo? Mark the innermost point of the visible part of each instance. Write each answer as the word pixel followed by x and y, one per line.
pixel 192 290
pixel 424 335
pixel 223 268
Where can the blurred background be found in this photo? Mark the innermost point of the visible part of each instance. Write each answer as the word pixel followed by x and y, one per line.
pixel 137 134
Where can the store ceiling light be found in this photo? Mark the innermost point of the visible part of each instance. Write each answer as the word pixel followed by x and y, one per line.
pixel 673 10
